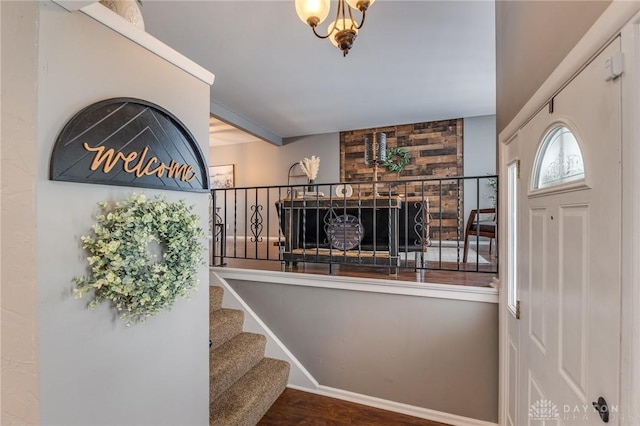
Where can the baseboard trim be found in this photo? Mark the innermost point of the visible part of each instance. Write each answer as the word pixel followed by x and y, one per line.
pixel 396 407
pixel 439 291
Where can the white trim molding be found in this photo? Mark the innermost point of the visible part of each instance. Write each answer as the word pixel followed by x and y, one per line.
pixel 630 320
pixel 386 286
pixel 120 25
pixel 230 117
pixel 73 5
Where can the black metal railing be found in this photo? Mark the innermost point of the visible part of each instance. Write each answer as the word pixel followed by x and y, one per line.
pixel 443 223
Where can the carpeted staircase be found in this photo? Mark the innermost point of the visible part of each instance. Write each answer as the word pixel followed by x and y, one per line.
pixel 243 382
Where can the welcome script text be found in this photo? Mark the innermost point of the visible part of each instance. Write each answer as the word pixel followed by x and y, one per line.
pixel 138 164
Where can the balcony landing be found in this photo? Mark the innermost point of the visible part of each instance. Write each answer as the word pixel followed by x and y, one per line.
pixel 448 274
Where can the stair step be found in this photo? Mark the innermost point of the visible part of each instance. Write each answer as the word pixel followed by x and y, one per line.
pixel 224 324
pixel 244 403
pixel 215 297
pixel 233 359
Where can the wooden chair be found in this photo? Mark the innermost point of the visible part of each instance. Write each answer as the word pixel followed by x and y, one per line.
pixel 477 226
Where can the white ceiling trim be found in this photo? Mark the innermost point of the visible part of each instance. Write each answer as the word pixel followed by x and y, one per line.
pixel 240 122
pixel 120 25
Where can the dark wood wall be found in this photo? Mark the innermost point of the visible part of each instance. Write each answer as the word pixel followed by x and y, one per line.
pixel 436 152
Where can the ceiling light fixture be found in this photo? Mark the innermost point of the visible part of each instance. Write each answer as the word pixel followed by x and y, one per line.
pixel 344 30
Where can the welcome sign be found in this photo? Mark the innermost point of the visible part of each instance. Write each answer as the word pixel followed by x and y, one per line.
pixel 129 142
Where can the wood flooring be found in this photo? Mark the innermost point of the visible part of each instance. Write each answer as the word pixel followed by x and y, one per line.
pixel 302 408
pixel 448 275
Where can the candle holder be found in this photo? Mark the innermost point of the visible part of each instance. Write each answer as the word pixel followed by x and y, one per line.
pixel 375 153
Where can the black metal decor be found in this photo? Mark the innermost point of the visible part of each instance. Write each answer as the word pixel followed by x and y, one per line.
pixel 256 222
pixel 129 142
pixel 421 220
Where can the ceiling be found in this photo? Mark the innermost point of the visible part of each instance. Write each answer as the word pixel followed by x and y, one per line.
pixel 221 133
pixel 413 61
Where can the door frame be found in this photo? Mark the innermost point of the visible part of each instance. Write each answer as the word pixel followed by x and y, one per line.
pixel 620 18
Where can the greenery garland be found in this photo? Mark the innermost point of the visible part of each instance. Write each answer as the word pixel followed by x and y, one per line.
pixel 397 159
pixel 122 269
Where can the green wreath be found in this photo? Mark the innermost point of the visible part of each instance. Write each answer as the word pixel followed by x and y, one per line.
pixel 397 159
pixel 137 283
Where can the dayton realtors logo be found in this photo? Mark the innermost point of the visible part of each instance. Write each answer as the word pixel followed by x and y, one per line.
pixel 544 411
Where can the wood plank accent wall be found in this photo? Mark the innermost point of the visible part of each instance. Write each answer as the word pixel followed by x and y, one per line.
pixel 436 152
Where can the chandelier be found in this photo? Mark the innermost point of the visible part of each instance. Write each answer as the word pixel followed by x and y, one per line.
pixel 344 30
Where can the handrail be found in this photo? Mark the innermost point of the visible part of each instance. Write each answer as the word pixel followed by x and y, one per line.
pixel 406 223
pixel 362 182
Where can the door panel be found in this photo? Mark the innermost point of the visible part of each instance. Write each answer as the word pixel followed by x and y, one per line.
pixel 512 391
pixel 537 282
pixel 569 275
pixel 539 405
pixel 573 326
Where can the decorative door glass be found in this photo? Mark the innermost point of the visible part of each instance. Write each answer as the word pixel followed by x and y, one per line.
pixel 559 159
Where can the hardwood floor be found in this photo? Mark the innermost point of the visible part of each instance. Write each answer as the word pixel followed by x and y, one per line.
pixel 448 275
pixel 302 408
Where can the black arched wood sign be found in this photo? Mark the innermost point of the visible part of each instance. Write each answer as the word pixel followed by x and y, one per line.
pixel 129 142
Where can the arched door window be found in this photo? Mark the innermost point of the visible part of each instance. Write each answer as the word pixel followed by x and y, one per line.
pixel 559 159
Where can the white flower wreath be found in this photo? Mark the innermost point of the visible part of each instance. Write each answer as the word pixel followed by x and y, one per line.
pixel 122 269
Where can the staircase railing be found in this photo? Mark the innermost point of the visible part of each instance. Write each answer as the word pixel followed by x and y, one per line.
pixel 442 223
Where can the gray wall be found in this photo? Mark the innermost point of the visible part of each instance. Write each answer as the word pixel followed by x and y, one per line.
pixel 438 354
pixel 93 369
pixel 479 160
pixel 532 37
pixel 261 163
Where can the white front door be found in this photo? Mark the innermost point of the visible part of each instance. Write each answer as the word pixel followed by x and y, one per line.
pixel 566 344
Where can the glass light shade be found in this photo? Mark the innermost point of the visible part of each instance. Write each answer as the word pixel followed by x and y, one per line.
pixel 339 27
pixel 354 3
pixel 318 9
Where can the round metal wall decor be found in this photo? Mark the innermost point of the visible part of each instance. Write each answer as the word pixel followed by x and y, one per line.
pixel 345 232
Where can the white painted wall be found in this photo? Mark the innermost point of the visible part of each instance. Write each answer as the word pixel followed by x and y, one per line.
pixel 94 370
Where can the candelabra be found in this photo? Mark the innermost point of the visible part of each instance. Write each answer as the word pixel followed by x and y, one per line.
pixel 375 153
